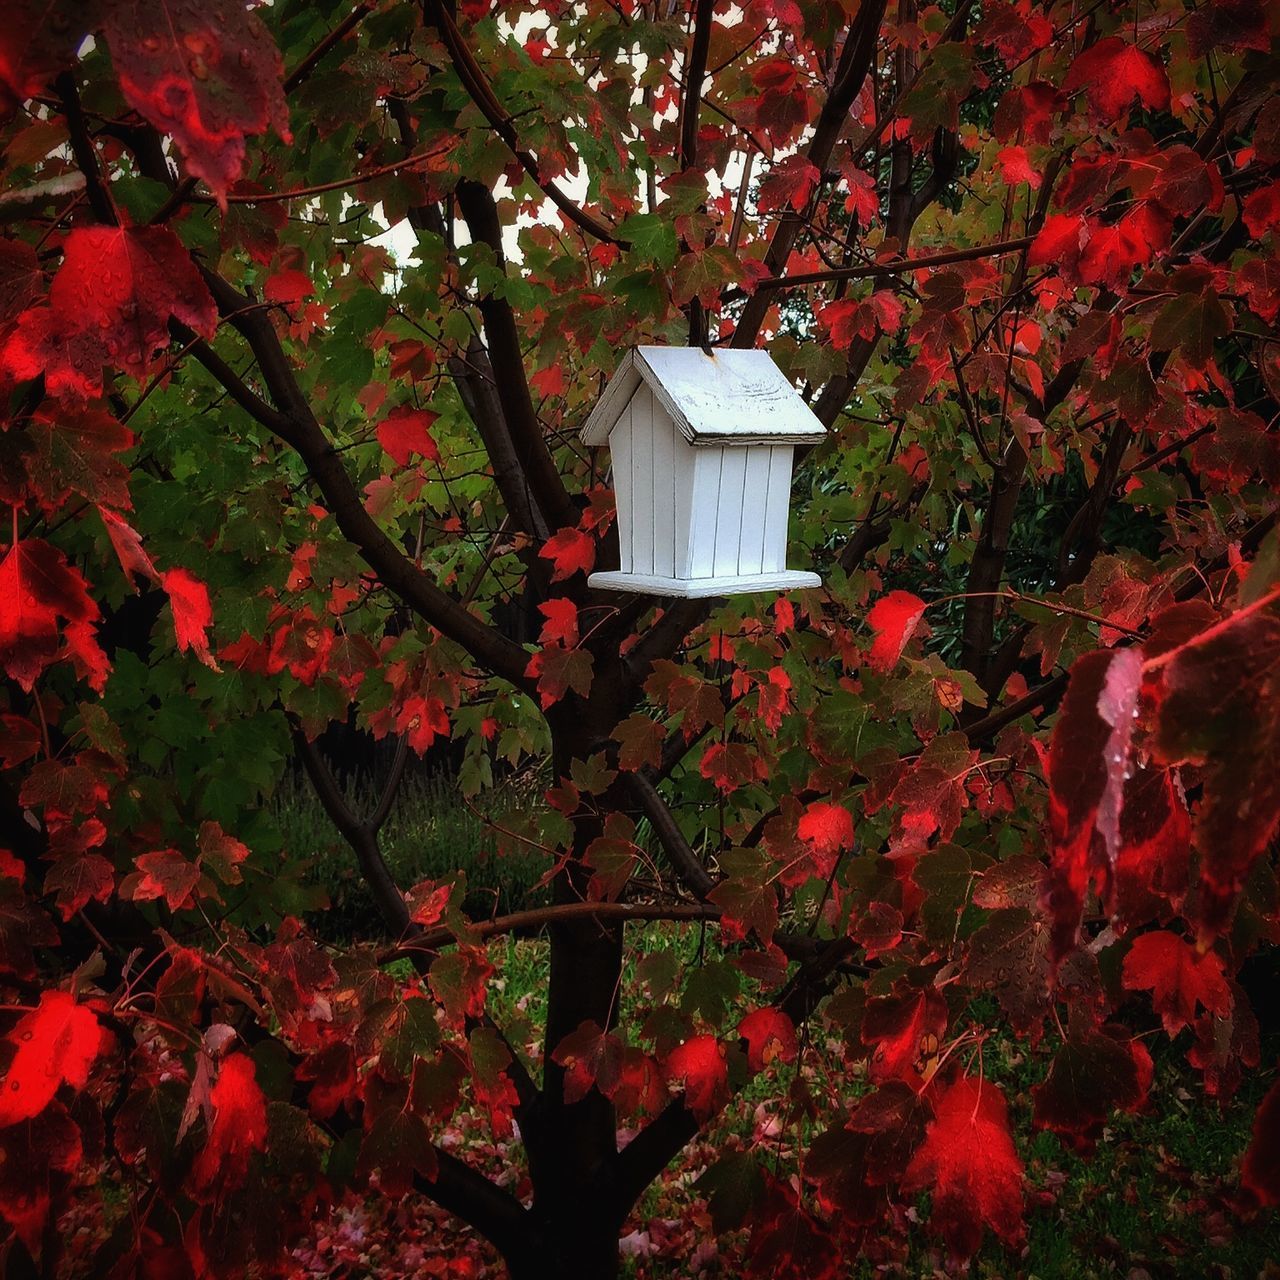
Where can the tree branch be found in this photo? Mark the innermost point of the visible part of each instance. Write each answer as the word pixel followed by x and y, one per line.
pixel 477 87
pixel 480 211
pixel 297 426
pixel 695 877
pixel 855 62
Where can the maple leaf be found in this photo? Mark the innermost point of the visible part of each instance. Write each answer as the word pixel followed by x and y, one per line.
pixel 730 765
pixel 288 286
pixel 127 283
pixel 422 721
pixel 77 879
pixel 1212 684
pixel 192 613
pixel 590 1057
pixel 1260 1172
pixel 127 542
pixel 1113 73
pixel 37 587
pixel 39 38
pixel 894 619
pixel 561 626
pixel 968 1162
pixel 1015 167
pixel 205 71
pixel 570 551
pixel 406 431
pixel 165 874
pixel 238 1128
pixel 640 740
pixel 699 1065
pixel 1088 759
pixel 903 1032
pixel 1177 978
pixel 458 980
pixel 75 453
pixel 56 1043
pixel 827 827
pixel 37 1157
pixel 557 670
pixel 789 184
pixel 1096 1072
pixel 396 1140
pixel 770 1036
pixel 221 852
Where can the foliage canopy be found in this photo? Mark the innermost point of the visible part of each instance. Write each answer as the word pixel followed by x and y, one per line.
pixel 1014 764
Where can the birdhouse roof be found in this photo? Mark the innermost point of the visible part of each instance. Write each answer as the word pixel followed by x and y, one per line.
pixel 730 397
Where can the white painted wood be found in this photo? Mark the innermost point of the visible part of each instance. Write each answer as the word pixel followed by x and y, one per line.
pixel 685 463
pixel 726 397
pixel 733 481
pixel 694 588
pixel 664 493
pixel 620 457
pixel 755 491
pixel 708 470
pixel 642 481
pixel 776 509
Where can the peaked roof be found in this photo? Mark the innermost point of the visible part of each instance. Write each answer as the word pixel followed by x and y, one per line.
pixel 728 397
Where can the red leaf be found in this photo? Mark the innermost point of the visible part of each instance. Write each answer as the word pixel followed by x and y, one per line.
pixel 1113 73
pixel 969 1163
pixel 590 1057
pixel 1015 167
pixel 406 431
pixel 37 1158
pixel 828 827
pixel 163 874
pixel 904 1030
pixel 699 1065
pixel 221 852
pixel 894 619
pixel 56 1043
pixel 1260 1172
pixel 75 453
pixel 288 286
pixel 1177 978
pixel 459 980
pixel 770 1035
pixel 192 613
pixel 238 1128
pixel 38 39
pixel 789 183
pixel 1088 759
pixel 127 542
pixel 570 551
pixel 37 587
pixel 127 283
pixel 557 670
pixel 422 721
pixel 205 71
pixel 1097 1071
pixel 561 626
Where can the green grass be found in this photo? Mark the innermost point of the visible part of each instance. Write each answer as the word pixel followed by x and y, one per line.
pixel 431 834
pixel 1154 1199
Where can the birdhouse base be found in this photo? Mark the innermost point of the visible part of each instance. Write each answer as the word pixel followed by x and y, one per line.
pixel 690 588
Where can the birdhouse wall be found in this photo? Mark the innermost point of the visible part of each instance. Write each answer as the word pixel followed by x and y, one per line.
pixel 740 505
pixel 693 512
pixel 653 476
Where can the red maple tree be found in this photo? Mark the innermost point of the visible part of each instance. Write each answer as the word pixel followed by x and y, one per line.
pixel 1013 764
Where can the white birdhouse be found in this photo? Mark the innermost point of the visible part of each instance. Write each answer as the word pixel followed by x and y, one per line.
pixel 701 446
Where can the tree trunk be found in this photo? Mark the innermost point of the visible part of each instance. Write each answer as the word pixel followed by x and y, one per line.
pixel 572 1155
